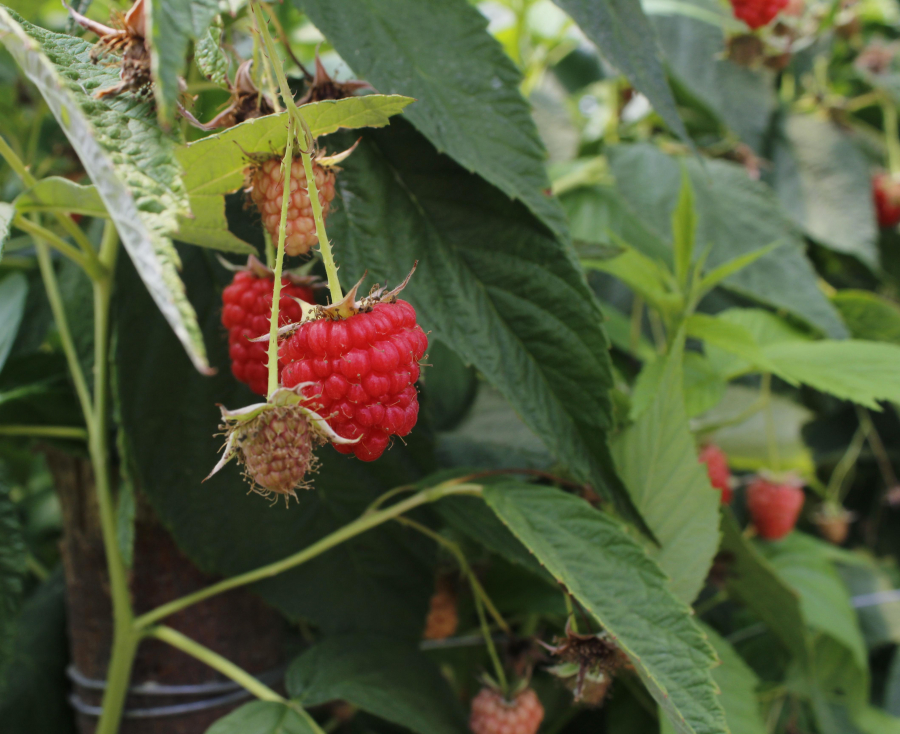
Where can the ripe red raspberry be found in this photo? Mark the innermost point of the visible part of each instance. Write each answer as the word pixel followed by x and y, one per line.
pixel 363 370
pixel 266 188
pixel 443 617
pixel 717 467
pixel 886 194
pixel 774 506
pixel 491 714
pixel 246 314
pixel 757 13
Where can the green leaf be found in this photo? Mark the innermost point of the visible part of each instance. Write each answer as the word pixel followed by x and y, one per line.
pixel 704 387
pixel 595 213
pixel 641 274
pixel 657 459
pixel 868 315
pixel 209 57
pixel 208 227
pixel 128 157
pixel 262 717
pixel 744 435
pixel 862 371
pixel 684 230
pixel 57 194
pixel 876 721
pixel 472 518
pixel 470 106
pixel 737 216
pixel 216 164
pixel 756 583
pixel 13 292
pixel 171 24
pixel 730 337
pixel 168 413
pixel 33 684
pixel 7 214
pixel 823 179
pixel 805 564
pixel 879 623
pixel 389 679
pixel 613 579
pixel 618 326
pixel 717 275
pixel 492 283
pixel 625 37
pixel 738 684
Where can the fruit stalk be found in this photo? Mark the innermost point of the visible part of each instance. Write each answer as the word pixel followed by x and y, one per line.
pixel 306 148
pixel 279 259
pixel 367 521
pixel 891 141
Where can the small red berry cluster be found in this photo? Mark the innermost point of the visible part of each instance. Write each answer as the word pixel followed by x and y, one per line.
pixel 247 313
pixel 493 714
pixel 886 196
pixel 757 13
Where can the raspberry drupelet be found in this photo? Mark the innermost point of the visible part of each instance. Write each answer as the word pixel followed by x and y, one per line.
pixel 246 313
pixel 266 189
pixel 492 714
pixel 362 371
pixel 757 13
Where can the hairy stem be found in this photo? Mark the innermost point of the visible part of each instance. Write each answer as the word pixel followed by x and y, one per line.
pixel 358 526
pixel 279 260
pixel 334 285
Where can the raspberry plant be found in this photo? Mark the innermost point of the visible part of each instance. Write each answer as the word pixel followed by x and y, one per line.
pixel 604 443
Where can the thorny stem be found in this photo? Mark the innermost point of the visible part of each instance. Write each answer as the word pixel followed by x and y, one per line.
pixel 265 72
pixel 477 588
pixel 306 149
pixel 351 530
pixel 279 260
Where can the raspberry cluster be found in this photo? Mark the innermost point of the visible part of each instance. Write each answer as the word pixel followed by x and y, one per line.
pixel 886 195
pixel 757 13
pixel 774 506
pixel 362 371
pixel 717 467
pixel 492 714
pixel 247 313
pixel 266 188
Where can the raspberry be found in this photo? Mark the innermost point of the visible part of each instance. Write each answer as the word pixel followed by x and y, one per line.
pixel 886 194
pixel 717 468
pixel 443 617
pixel 757 13
pixel 492 714
pixel 246 314
pixel 276 450
pixel 362 371
pixel 266 190
pixel 774 506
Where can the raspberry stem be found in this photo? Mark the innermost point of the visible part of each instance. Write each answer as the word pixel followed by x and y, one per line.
pixel 891 141
pixel 306 148
pixel 279 260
